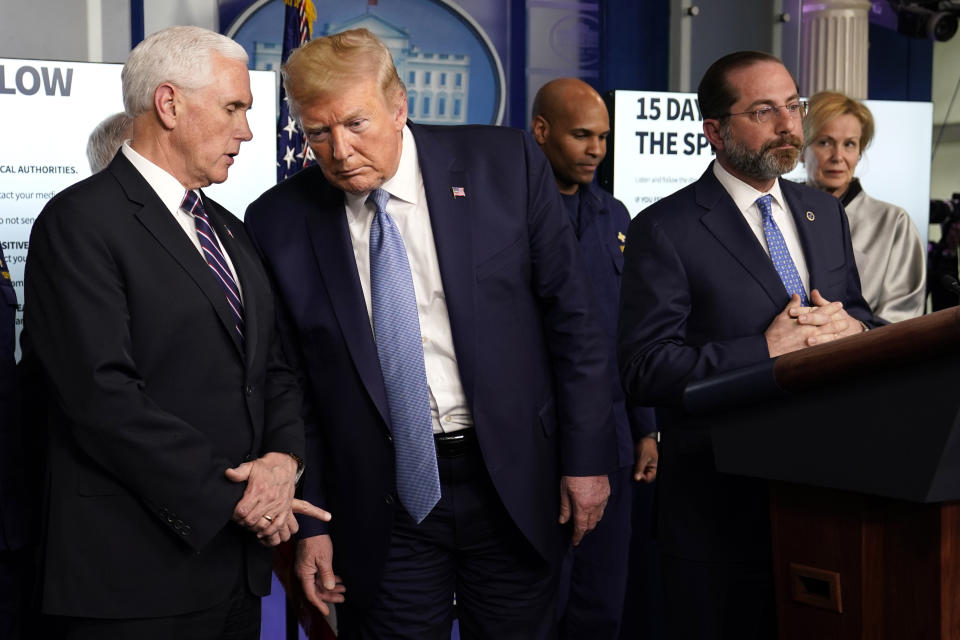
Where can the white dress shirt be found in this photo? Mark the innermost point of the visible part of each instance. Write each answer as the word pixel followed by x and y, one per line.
pixel 171 193
pixel 745 197
pixel 408 208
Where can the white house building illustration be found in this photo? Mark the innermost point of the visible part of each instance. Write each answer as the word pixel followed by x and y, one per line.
pixel 437 83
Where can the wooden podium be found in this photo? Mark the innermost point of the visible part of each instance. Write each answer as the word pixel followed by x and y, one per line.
pixel 861 442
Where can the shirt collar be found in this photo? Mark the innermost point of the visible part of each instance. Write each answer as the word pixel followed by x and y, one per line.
pixel 744 196
pixel 165 185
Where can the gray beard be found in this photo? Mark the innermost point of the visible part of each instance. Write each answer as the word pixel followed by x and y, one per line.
pixel 766 164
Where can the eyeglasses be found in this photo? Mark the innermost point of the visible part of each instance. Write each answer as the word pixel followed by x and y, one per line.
pixel 763 114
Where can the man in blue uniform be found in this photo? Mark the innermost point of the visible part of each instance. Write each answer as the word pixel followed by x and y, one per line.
pixel 571 124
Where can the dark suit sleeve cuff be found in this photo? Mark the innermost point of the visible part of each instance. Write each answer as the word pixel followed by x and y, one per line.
pixel 643 421
pixel 590 454
pixel 310 527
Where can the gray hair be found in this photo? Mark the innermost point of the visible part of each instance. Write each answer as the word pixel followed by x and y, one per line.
pixel 106 139
pixel 179 55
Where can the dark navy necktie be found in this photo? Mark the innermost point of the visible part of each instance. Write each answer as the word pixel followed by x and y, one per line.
pixel 779 253
pixel 396 327
pixel 214 256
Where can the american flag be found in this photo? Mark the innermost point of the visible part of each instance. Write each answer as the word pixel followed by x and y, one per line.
pixel 292 152
pixel 292 155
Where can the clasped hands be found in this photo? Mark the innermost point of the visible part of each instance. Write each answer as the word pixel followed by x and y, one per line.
pixel 797 327
pixel 267 507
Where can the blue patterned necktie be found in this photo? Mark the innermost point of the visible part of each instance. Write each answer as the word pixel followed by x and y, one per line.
pixel 779 253
pixel 214 256
pixel 396 328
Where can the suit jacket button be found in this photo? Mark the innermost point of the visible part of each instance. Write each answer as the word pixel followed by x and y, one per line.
pixel 389 498
pixel 249 390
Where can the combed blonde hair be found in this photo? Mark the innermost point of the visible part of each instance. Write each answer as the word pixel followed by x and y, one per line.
pixel 827 105
pixel 328 64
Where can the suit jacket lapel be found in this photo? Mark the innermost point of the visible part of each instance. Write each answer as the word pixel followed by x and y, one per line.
pixel 333 250
pixel 158 221
pixel 726 223
pixel 806 228
pixel 451 218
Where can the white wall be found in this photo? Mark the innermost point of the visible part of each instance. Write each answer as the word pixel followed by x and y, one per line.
pixel 45 30
pixel 160 14
pixel 89 30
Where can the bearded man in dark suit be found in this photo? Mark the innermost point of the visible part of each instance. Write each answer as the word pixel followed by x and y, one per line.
pixel 733 269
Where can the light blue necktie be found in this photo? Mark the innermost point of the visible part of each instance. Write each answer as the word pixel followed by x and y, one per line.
pixel 779 253
pixel 396 328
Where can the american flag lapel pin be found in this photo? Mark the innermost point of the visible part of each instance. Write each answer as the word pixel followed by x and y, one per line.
pixel 458 192
pixel 229 233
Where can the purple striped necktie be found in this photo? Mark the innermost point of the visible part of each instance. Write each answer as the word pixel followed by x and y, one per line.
pixel 214 256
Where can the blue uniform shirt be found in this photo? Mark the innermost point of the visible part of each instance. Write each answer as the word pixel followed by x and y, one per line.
pixel 601 221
